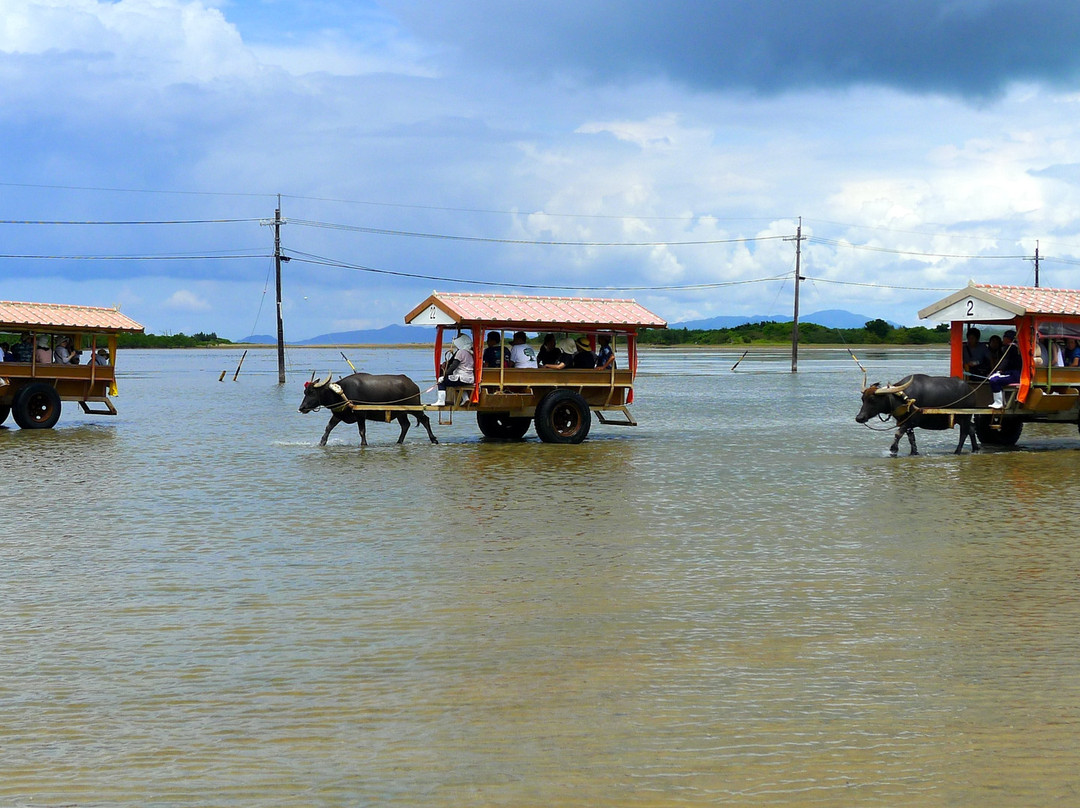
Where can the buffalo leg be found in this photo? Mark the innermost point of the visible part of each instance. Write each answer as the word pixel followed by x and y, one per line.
pixel 967 428
pixel 361 424
pixel 421 418
pixel 403 419
pixel 896 441
pixel 911 440
pixel 334 421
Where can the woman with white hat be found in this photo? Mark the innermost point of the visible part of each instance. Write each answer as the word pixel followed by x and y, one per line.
pixel 459 369
pixel 43 353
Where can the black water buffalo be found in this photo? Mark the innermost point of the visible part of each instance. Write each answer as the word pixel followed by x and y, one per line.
pixel 364 388
pixel 904 399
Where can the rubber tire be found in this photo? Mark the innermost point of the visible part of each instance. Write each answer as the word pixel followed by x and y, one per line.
pixel 502 426
pixel 1008 435
pixel 4 412
pixel 563 416
pixel 36 406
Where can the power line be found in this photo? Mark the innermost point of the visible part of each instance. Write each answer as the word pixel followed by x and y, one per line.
pixel 162 222
pixel 891 251
pixel 882 285
pixel 491 240
pixel 308 258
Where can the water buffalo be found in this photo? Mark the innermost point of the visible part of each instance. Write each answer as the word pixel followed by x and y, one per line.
pixel 364 388
pixel 903 400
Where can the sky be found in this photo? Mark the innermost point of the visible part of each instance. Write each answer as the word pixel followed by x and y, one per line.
pixel 664 151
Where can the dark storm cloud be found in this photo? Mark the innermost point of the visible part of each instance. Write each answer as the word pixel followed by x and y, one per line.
pixel 960 47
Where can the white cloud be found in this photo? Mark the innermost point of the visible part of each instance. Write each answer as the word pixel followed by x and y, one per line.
pixel 163 40
pixel 183 300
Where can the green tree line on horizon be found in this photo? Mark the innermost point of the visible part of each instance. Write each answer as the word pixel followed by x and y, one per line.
pixel 874 332
pixel 197 340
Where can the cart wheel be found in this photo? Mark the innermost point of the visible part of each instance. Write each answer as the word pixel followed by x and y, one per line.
pixel 36 406
pixel 1008 435
pixel 563 417
pixel 500 425
pixel 4 411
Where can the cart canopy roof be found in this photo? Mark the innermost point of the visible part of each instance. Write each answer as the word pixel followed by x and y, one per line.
pixel 531 312
pixel 985 302
pixel 64 317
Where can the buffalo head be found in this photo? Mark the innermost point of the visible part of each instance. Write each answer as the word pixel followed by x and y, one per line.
pixel 313 392
pixel 878 400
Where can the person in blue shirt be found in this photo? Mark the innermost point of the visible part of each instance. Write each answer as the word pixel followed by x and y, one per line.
pixel 605 356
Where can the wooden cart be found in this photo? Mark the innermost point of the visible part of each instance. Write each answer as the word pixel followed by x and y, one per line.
pixel 560 403
pixel 31 389
pixel 1041 317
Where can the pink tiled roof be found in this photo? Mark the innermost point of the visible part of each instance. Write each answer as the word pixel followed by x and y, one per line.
pixel 1037 300
pixel 546 312
pixel 60 316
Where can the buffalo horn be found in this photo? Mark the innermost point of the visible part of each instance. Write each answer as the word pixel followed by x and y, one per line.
pixel 899 388
pixel 325 381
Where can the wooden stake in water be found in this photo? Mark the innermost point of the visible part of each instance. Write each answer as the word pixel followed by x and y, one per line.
pixel 343 356
pixel 221 378
pixel 741 358
pixel 239 365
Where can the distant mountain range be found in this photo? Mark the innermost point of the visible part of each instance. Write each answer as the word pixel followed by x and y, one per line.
pixel 408 334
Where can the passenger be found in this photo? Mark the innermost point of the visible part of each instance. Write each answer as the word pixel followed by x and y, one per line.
pixel 550 356
pixel 65 352
pixel 101 357
pixel 459 370
pixel 605 357
pixel 43 355
pixel 584 359
pixel 1072 353
pixel 492 351
pixel 8 355
pixel 976 356
pixel 23 351
pixel 521 353
pixel 567 350
pixel 1009 368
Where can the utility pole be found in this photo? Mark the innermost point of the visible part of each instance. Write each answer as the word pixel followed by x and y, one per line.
pixel 277 272
pixel 1036 264
pixel 798 277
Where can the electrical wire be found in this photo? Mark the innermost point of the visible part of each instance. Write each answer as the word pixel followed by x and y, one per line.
pixel 490 240
pixel 308 258
pixel 125 223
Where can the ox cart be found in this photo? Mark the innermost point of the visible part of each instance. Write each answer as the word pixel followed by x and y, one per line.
pixel 58 353
pixel 1046 390
pixel 508 400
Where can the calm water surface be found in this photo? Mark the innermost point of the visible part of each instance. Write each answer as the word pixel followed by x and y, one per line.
pixel 744 601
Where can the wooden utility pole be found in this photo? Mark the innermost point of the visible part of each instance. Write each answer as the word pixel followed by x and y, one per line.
pixel 277 272
pixel 798 277
pixel 1036 264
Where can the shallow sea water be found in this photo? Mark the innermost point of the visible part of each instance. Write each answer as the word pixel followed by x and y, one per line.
pixel 742 601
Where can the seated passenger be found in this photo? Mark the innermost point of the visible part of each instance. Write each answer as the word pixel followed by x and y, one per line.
pixel 65 352
pixel 567 350
pixel 459 370
pixel 550 356
pixel 8 355
pixel 23 351
pixel 43 354
pixel 605 356
pixel 493 351
pixel 584 359
pixel 976 356
pixel 1009 368
pixel 1072 353
pixel 100 358
pixel 521 353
